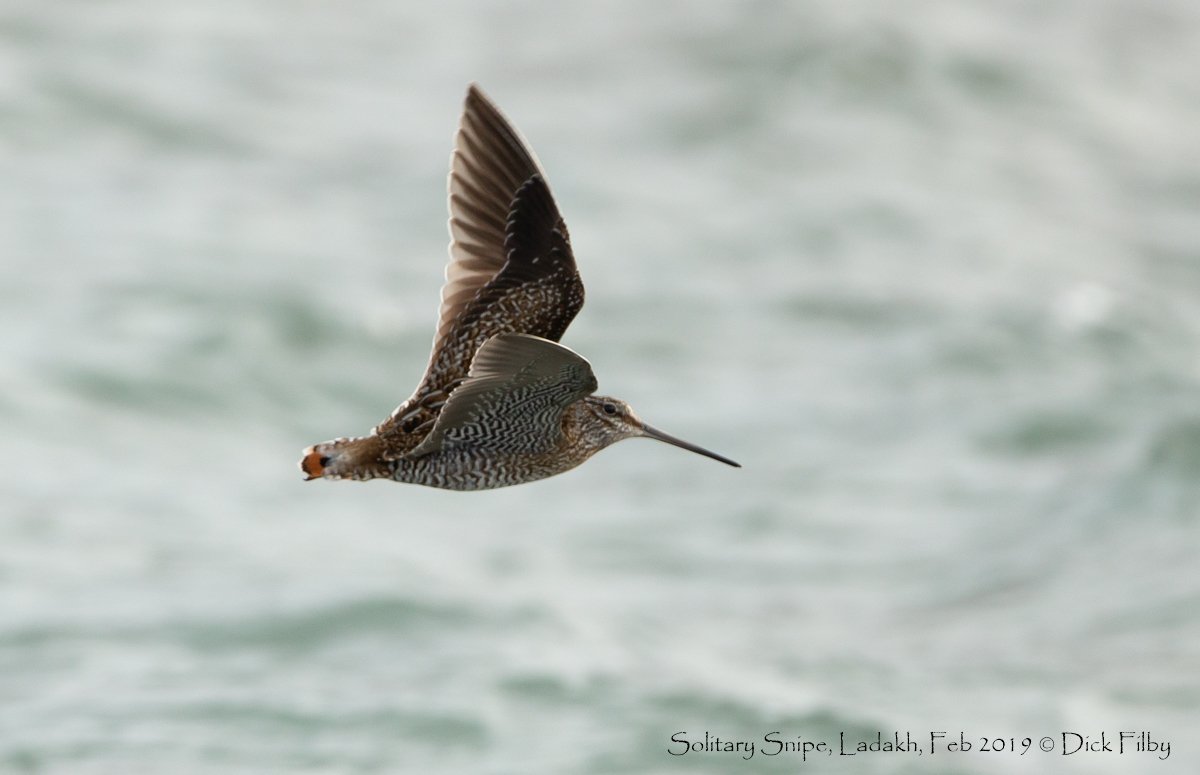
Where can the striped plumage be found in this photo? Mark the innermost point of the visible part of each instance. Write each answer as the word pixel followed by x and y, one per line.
pixel 500 402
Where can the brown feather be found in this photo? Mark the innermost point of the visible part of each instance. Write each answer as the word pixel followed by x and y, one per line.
pixel 511 268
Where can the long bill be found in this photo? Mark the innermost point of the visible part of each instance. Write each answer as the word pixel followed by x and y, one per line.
pixel 654 433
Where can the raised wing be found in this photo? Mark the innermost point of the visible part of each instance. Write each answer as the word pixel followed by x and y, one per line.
pixel 511 269
pixel 514 398
pixel 489 164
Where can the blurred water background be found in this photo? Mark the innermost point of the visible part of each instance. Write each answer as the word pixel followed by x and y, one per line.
pixel 929 270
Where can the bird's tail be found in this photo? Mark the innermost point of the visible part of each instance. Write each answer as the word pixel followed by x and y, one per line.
pixel 359 458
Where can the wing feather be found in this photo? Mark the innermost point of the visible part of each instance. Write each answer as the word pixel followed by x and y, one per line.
pixel 511 268
pixel 513 399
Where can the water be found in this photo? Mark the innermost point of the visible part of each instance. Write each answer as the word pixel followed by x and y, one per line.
pixel 929 272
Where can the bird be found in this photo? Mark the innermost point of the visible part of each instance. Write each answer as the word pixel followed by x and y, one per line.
pixel 501 402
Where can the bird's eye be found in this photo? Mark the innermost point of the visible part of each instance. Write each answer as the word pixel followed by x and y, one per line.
pixel 610 408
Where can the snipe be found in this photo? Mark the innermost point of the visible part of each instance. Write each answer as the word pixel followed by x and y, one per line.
pixel 501 402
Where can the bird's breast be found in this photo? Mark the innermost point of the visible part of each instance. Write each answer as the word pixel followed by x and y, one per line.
pixel 478 469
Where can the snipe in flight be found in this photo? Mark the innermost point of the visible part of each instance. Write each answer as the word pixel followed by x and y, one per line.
pixel 501 402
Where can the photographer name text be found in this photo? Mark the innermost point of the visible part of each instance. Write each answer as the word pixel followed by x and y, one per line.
pixel 1114 743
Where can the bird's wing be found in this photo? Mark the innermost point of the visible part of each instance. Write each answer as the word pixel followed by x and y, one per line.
pixel 513 399
pixel 511 268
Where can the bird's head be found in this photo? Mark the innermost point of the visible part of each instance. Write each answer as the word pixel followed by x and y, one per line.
pixel 611 419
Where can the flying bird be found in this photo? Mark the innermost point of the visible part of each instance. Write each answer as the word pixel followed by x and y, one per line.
pixel 501 402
